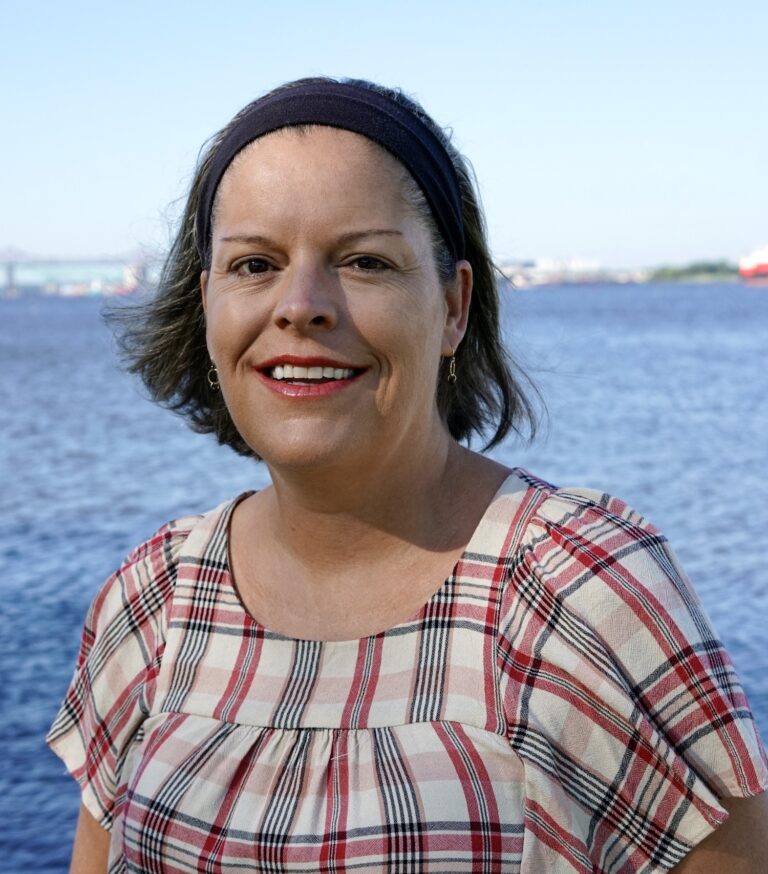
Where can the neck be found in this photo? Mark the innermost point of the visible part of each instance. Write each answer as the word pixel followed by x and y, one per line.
pixel 316 516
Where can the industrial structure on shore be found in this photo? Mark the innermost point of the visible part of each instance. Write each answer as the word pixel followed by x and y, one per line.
pixel 22 274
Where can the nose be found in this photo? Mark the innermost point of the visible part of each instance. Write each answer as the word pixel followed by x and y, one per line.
pixel 307 301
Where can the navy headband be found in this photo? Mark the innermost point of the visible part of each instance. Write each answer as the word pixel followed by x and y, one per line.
pixel 362 111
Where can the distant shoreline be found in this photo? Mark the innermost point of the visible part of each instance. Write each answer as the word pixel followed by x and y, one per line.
pixel 510 284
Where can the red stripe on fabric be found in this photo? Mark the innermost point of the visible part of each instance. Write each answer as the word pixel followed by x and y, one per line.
pixel 342 780
pixel 152 745
pixel 544 827
pixel 526 508
pixel 214 845
pixel 229 705
pixel 478 838
pixel 364 683
pixel 108 730
pixel 333 850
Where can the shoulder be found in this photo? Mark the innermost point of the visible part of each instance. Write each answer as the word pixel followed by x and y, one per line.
pixel 166 541
pixel 614 567
pixel 145 580
pixel 605 574
pixel 139 591
pixel 574 521
pixel 158 555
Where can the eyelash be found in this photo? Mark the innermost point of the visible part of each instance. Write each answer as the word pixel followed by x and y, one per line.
pixel 380 264
pixel 239 265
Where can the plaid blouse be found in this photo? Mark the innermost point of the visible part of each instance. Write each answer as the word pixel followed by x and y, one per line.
pixel 560 704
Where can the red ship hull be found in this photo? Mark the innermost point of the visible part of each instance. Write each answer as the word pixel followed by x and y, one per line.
pixel 754 268
pixel 759 271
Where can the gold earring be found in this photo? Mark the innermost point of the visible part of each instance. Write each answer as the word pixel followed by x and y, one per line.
pixel 452 369
pixel 213 378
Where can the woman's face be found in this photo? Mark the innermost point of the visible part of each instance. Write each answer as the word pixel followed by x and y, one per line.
pixel 325 316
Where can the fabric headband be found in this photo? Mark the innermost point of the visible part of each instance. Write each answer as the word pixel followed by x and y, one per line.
pixel 362 111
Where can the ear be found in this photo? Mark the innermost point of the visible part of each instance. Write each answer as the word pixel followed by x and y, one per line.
pixel 458 297
pixel 204 288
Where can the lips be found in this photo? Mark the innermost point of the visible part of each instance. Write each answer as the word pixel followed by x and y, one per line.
pixel 299 376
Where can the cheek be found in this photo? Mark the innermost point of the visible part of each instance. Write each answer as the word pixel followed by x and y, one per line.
pixel 405 336
pixel 231 325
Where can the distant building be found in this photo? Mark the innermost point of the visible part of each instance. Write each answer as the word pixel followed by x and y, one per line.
pixel 570 271
pixel 28 275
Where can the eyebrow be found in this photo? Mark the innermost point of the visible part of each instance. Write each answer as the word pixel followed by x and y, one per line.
pixel 260 240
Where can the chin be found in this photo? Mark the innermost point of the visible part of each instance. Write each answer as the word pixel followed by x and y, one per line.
pixel 304 448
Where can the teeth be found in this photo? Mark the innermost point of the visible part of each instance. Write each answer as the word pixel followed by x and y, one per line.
pixel 291 371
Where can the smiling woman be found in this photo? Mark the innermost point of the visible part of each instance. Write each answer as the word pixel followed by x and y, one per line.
pixel 401 656
pixel 345 279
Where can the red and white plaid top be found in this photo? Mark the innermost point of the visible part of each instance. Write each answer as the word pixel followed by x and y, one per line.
pixel 560 704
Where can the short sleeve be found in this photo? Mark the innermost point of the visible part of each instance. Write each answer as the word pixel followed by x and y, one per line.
pixel 114 680
pixel 618 696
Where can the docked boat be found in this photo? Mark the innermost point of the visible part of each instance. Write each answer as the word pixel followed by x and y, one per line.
pixel 755 266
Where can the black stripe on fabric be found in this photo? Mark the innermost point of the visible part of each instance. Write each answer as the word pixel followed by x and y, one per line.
pixel 281 809
pixel 557 617
pixel 201 611
pixel 432 660
pixel 161 809
pixel 399 797
pixel 251 837
pixel 543 827
pixel 126 625
pixel 633 831
pixel 663 631
pixel 367 675
pixel 336 836
pixel 186 853
pixel 592 793
pixel 300 683
pixel 669 713
pixel 485 827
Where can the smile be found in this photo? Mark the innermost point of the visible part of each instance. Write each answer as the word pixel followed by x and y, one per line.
pixel 307 377
pixel 295 373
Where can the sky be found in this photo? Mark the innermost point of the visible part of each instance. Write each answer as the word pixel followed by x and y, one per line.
pixel 631 133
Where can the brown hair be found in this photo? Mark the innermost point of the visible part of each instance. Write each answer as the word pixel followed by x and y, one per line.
pixel 162 339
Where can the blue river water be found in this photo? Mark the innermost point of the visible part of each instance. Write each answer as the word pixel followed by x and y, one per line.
pixel 657 394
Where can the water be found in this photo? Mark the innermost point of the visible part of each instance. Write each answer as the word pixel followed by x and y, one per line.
pixel 656 394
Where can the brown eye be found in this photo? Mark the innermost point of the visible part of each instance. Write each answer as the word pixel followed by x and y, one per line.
pixel 369 263
pixel 252 266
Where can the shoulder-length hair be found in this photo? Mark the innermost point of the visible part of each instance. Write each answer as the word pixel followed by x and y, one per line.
pixel 162 339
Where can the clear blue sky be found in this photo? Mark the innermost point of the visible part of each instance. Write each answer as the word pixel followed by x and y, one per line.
pixel 631 132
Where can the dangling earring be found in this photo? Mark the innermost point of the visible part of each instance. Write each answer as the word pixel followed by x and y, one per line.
pixel 452 369
pixel 213 378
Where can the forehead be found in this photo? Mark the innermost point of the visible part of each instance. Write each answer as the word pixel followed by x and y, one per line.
pixel 313 168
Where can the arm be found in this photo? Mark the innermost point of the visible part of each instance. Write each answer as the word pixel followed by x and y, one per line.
pixel 739 846
pixel 91 848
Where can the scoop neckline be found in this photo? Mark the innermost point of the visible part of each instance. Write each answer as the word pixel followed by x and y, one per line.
pixel 354 641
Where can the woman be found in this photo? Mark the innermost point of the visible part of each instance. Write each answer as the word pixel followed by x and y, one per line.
pixel 402 655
